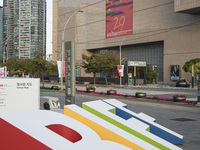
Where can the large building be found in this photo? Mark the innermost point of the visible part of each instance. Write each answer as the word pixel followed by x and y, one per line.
pixel 24 28
pixel 1 35
pixel 163 33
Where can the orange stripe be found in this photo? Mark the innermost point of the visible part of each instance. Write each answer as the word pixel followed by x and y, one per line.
pixel 104 133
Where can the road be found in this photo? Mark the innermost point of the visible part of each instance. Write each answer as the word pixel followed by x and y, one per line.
pixel 181 118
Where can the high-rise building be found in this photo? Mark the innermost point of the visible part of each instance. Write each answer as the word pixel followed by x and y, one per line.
pixel 24 28
pixel 163 33
pixel 1 36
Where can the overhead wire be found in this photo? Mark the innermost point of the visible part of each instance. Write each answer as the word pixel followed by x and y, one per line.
pixel 154 34
pixel 105 19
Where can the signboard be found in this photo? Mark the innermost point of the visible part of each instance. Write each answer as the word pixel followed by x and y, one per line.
pixel 137 63
pixel 174 72
pixel 120 69
pixel 70 74
pixel 119 18
pixel 18 94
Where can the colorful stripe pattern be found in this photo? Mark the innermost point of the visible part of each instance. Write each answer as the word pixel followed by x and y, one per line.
pixel 101 124
pixel 155 128
pixel 101 109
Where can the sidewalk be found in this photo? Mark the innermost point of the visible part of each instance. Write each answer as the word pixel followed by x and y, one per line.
pixel 162 91
pixel 159 85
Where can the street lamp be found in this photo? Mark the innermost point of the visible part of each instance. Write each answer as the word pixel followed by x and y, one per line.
pixel 63 47
pixel 120 53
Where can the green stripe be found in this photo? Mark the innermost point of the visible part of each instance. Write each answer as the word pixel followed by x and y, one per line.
pixel 113 111
pixel 148 129
pixel 123 127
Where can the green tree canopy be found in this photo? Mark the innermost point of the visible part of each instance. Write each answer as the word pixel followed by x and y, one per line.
pixel 188 65
pixel 92 64
pixel 151 74
pixel 18 66
pixel 109 60
pixel 36 66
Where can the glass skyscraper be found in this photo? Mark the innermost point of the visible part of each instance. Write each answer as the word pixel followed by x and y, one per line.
pixel 24 28
pixel 1 35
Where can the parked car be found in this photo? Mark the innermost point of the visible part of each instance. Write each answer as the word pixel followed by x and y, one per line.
pixel 183 83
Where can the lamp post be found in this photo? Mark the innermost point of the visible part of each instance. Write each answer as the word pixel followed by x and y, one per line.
pixel 63 47
pixel 120 54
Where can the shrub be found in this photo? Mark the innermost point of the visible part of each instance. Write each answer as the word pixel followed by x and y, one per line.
pixel 151 74
pixel 90 87
pixel 125 95
pixel 79 82
pixel 99 82
pixel 156 98
pixel 101 93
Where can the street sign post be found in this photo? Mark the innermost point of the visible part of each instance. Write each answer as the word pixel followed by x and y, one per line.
pixel 69 73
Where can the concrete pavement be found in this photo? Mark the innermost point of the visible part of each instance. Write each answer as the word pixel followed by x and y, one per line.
pixel 181 118
pixel 160 90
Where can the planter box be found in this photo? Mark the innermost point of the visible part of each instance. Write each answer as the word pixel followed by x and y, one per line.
pixel 140 95
pixel 111 92
pixel 179 98
pixel 90 90
pixel 55 87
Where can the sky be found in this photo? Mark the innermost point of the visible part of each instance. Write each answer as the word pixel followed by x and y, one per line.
pixel 49 25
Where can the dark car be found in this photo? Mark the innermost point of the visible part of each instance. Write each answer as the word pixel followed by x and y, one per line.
pixel 183 83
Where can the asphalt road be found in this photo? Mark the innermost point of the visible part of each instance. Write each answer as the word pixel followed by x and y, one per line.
pixel 181 118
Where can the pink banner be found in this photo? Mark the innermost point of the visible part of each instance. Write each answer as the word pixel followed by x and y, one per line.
pixel 120 69
pixel 3 72
pixel 119 18
pixel 63 69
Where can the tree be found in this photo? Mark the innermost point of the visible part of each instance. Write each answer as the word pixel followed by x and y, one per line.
pixel 40 65
pixel 188 65
pixel 92 64
pixel 37 66
pixel 109 60
pixel 151 74
pixel 18 66
pixel 53 68
pixel 11 65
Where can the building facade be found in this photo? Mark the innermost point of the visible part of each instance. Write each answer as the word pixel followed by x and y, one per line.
pixel 1 34
pixel 49 58
pixel 24 28
pixel 165 33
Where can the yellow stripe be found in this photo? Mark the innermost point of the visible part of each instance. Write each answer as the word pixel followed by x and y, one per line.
pixel 104 133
